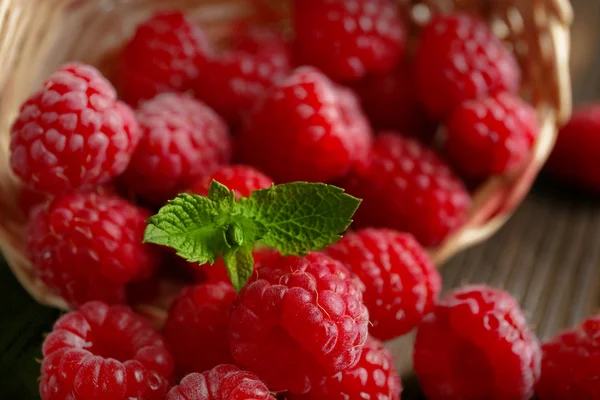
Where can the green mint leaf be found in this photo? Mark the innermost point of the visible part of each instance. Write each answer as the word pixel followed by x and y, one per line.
pixel 299 217
pixel 218 192
pixel 239 264
pixel 293 218
pixel 187 224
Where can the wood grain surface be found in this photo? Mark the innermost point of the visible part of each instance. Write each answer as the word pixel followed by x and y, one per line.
pixel 547 255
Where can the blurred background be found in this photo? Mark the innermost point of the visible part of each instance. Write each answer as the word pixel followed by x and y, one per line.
pixel 547 255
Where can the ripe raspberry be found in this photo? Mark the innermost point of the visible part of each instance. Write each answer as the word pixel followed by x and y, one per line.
pixel 233 81
pixel 163 56
pixel 574 159
pixel 182 140
pixel 72 133
pixel 242 179
pixel 349 39
pixel 490 136
pixel 390 102
pixel 298 320
pixel 224 382
pixel 407 187
pixel 374 377
pixel 102 352
pixel 87 246
pixel 402 283
pixel 196 329
pixel 458 59
pixel 570 364
pixel 476 345
pixel 307 128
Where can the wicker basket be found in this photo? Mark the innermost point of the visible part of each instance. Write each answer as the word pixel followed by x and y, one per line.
pixel 38 35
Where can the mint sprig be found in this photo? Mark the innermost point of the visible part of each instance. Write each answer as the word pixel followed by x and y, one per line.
pixel 293 218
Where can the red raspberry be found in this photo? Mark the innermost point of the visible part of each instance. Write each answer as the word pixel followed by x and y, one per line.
pixel 102 352
pixel 476 345
pixel 490 136
pixel 574 159
pixel 232 82
pixel 224 382
pixel 87 246
pixel 72 132
pixel 307 128
pixel 197 326
pixel 390 102
pixel 299 319
pixel 182 140
pixel 459 58
pixel 349 39
pixel 402 283
pixel 570 364
pixel 374 377
pixel 162 56
pixel 242 179
pixel 407 187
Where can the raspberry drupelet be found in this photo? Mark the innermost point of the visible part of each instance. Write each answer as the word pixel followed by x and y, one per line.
pixel 196 328
pixel 407 187
pixel 299 319
pixel 402 283
pixel 459 58
pixel 571 364
pixel 182 140
pixel 223 382
pixel 476 345
pixel 88 245
pixel 163 55
pixel 374 377
pixel 103 352
pixel 72 133
pixel 306 129
pixel 348 39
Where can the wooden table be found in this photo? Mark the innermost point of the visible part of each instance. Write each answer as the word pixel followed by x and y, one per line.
pixel 547 255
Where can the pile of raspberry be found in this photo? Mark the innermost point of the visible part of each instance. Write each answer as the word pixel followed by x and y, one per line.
pixel 341 100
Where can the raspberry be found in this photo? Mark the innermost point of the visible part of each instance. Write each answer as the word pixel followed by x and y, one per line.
pixel 182 140
pixel 374 377
pixel 476 345
pixel 298 320
pixel 72 133
pixel 490 136
pixel 458 59
pixel 349 39
pixel 233 81
pixel 242 179
pixel 87 246
pixel 574 159
pixel 196 329
pixel 390 102
pixel 102 352
pixel 307 128
pixel 407 187
pixel 162 56
pixel 402 283
pixel 224 382
pixel 570 364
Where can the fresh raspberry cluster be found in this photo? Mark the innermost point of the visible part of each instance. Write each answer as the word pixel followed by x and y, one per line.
pixel 340 101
